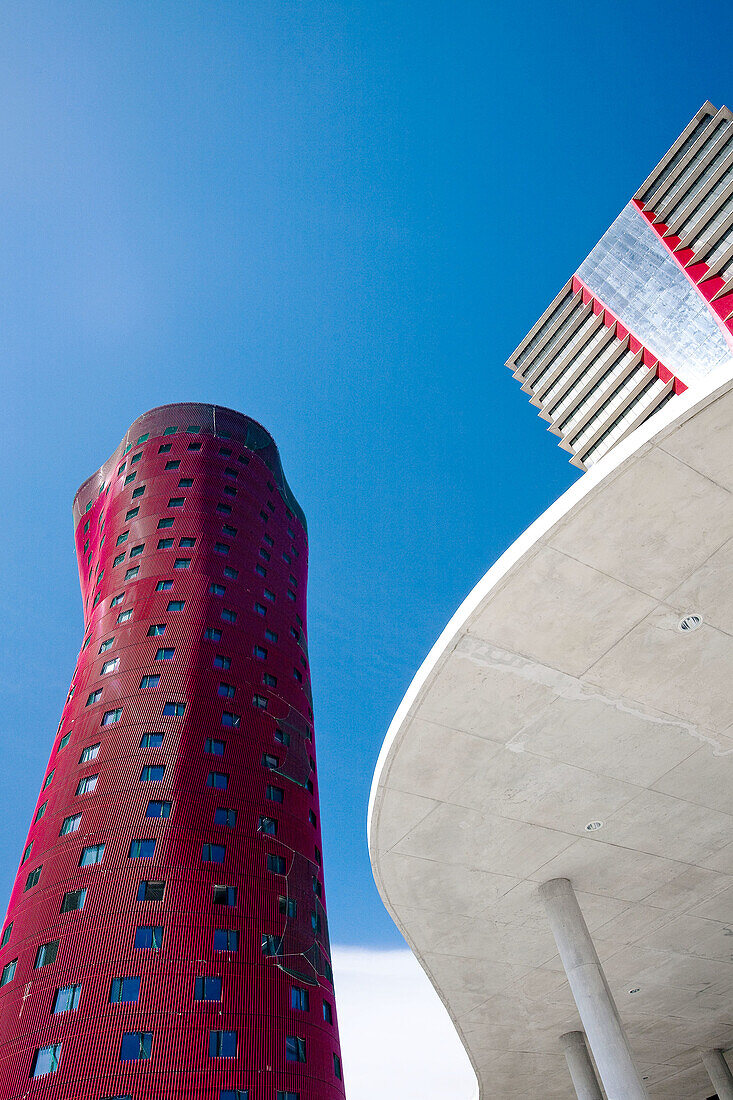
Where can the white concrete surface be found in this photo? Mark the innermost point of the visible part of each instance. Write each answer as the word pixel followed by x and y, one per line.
pixel 562 692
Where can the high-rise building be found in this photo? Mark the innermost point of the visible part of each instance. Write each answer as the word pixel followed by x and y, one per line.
pixel 649 312
pixel 166 935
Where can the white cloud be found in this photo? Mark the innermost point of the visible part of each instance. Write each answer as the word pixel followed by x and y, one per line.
pixel 397 1040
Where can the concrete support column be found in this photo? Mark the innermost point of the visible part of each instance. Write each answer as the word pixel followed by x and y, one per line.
pixel 719 1073
pixel 580 1066
pixel 593 999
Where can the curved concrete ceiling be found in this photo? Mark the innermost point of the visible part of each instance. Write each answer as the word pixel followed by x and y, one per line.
pixel 562 692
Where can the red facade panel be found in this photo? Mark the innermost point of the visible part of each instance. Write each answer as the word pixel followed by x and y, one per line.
pixel 184 760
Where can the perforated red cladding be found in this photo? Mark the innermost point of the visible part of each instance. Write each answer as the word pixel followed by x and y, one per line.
pixel 193 563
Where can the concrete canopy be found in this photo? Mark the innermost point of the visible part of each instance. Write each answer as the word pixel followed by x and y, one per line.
pixel 563 692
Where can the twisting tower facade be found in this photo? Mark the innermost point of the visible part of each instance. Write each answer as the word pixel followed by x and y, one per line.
pixel 167 934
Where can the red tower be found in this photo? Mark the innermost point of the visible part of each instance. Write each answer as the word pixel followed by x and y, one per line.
pixel 166 935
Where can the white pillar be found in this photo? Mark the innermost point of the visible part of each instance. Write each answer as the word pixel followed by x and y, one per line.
pixel 580 1066
pixel 596 1006
pixel 719 1073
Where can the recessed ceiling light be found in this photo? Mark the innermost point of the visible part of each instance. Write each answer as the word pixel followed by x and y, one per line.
pixel 593 825
pixel 690 622
pixel 635 990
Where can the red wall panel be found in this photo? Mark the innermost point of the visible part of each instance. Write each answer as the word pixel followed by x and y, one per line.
pixel 96 943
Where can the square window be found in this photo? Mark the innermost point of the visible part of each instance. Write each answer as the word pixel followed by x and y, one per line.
pixel 94 697
pixel 165 654
pixel 216 748
pixel 112 716
pixel 142 849
pixel 152 773
pixel 46 954
pixel 299 999
pixel 73 900
pixel 176 605
pixel 46 1060
pixel 67 999
pixel 165 544
pixel 223 816
pixel 226 939
pixel 225 895
pixel 276 864
pixel 213 853
pixel 110 666
pixel 91 855
pixel 187 542
pixel 274 794
pixel 166 522
pixel 91 752
pixel 124 991
pixel 176 502
pixel 150 681
pixel 229 572
pixel 122 538
pixel 221 548
pixel 136 1046
pixel 158 809
pixel 218 780
pixel 130 477
pixel 124 616
pixel 222 662
pixel 149 936
pixel 207 988
pixel 164 586
pixel 150 891
pixel 229 719
pixel 212 634
pixel 287 906
pixel 151 741
pixel 294 1049
pixel 131 514
pixel 282 736
pixel 270 635
pixel 260 653
pixel 222 1044
pixel 260 701
pixel 226 691
pixel 224 509
pixel 87 784
pixel 8 972
pixel 269 680
pixel 267 825
pixel 176 710
pixel 138 492
pixel 272 946
pixel 216 589
pixel 137 550
pixel 173 463
pixel 228 615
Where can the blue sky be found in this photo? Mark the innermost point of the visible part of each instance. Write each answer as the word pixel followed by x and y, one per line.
pixel 339 218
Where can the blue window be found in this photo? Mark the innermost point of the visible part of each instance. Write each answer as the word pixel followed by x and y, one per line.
pixel 112 716
pixel 164 654
pixel 299 999
pixel 267 825
pixel 150 891
pixel 233 1094
pixel 149 936
pixel 46 1060
pixel 207 989
pixel 212 634
pixel 276 864
pixel 223 816
pixel 222 1044
pixel 142 849
pixel 136 1046
pixel 213 853
pixel 67 999
pixel 33 878
pixel 46 954
pixel 158 809
pixel 8 972
pixel 228 719
pixel 225 895
pixel 150 681
pixel 219 780
pixel 151 741
pixel 294 1049
pixel 124 991
pixel 91 855
pixel 73 900
pixel 164 586
pixel 226 939
pixel 176 605
pixel 152 774
pixel 176 710
pixel 213 746
pixel 272 946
